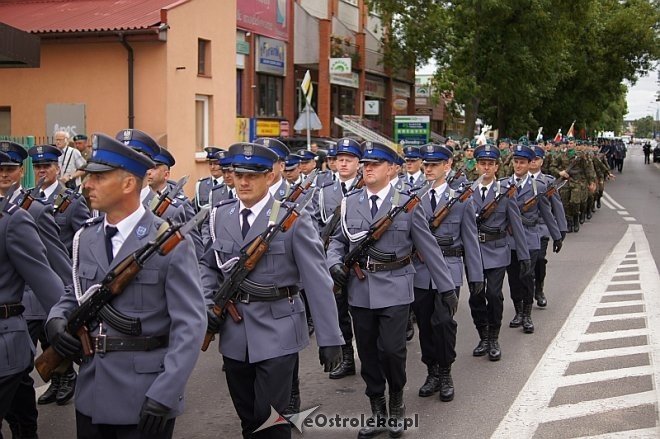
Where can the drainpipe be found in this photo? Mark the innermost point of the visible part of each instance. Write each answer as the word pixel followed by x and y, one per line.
pixel 129 50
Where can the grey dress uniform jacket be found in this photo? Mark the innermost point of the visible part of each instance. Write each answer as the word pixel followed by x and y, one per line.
pixel 73 218
pixel 556 205
pixel 460 228
pixel 497 253
pixel 530 219
pixel 167 297
pixel 275 328
pixel 218 194
pixel 329 197
pixel 392 287
pixel 23 260
pixel 202 191
pixel 56 254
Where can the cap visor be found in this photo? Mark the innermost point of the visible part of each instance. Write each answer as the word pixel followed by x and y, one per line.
pixel 10 164
pixel 248 170
pixel 96 167
pixel 370 160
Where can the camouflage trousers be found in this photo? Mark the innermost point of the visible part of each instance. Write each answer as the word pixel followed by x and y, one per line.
pixel 574 196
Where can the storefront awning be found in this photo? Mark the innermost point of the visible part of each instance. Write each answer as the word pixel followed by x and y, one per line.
pixel 18 48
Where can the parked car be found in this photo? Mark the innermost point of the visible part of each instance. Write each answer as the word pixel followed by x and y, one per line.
pixel 656 154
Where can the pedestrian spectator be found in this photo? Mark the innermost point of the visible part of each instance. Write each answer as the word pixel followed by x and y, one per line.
pixel 619 156
pixel 70 161
pixel 647 153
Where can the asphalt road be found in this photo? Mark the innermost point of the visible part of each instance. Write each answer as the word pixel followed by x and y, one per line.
pixel 591 359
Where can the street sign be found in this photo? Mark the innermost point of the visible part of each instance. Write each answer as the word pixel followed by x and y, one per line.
pixel 412 130
pixel 307 87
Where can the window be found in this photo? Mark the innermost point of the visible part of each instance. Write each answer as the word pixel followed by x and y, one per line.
pixel 5 121
pixel 201 122
pixel 270 95
pixel 239 92
pixel 203 57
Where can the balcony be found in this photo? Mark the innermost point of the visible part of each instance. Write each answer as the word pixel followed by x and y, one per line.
pixel 345 47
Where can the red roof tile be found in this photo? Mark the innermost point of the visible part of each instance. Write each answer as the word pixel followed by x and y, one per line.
pixel 47 16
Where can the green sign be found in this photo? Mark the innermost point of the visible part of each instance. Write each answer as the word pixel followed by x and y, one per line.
pixel 242 47
pixel 412 130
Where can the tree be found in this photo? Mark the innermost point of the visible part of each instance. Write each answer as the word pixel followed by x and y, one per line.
pixel 644 127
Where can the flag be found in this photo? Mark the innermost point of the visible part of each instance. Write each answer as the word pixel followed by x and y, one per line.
pixel 558 136
pixel 307 87
pixel 571 130
pixel 539 135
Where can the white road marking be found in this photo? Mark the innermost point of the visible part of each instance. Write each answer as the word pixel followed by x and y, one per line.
pixel 607 204
pixel 642 433
pixel 531 407
pixel 612 317
pixel 629 218
pixel 613 201
pixel 622 212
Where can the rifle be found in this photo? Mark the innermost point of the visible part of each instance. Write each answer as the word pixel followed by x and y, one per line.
pixel 29 195
pixel 159 205
pixel 456 175
pixel 64 200
pixel 336 214
pixel 376 231
pixel 299 188
pixel 114 283
pixel 550 191
pixel 488 209
pixel 224 299
pixel 440 216
pixel 7 197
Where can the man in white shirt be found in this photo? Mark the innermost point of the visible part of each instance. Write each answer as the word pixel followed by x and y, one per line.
pixel 70 161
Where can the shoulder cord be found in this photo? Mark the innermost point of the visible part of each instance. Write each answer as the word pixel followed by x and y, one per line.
pixel 322 213
pixel 534 188
pixel 77 289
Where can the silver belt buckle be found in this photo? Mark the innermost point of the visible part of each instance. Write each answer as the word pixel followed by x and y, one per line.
pixel 244 298
pixel 482 237
pixel 370 267
pixel 100 343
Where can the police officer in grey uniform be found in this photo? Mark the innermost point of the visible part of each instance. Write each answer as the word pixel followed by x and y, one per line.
pixel 204 184
pixel 132 386
pixel 70 220
pixel 487 306
pixel 260 351
pixel 413 157
pixel 347 154
pixel 457 237
pixel 23 260
pixel 280 188
pixel 220 192
pixel 521 285
pixel 560 216
pixel 380 303
pixel 291 169
pixel 62 387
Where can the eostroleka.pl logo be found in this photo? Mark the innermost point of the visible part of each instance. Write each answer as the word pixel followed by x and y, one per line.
pixel 307 419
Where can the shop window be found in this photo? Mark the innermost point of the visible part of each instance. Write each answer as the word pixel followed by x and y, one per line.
pixel 202 118
pixel 269 96
pixel 203 57
pixel 5 121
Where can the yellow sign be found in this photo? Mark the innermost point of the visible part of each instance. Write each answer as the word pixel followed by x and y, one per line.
pixel 268 128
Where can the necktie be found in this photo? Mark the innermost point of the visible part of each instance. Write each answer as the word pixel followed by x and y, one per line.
pixel 245 227
pixel 518 180
pixel 231 194
pixel 334 178
pixel 412 180
pixel 374 206
pixel 343 187
pixel 110 231
pixel 215 182
pixel 483 193
pixel 42 194
pixel 434 204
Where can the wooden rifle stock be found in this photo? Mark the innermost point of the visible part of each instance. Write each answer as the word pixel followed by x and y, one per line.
pixel 162 206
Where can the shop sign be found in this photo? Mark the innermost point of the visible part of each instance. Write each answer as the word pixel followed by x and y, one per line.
pixel 351 80
pixel 340 66
pixel 264 17
pixel 412 130
pixel 271 56
pixel 267 128
pixel 371 108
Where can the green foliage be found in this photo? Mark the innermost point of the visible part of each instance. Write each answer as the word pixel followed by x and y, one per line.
pixel 519 64
pixel 644 127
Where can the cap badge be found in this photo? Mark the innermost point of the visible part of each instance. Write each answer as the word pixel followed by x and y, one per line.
pixel 220 154
pixel 346 142
pixel 128 134
pixel 40 150
pixel 429 148
pixel 248 150
pixel 487 148
pixel 4 146
pixel 95 143
pixel 369 146
pixel 519 148
pixel 267 142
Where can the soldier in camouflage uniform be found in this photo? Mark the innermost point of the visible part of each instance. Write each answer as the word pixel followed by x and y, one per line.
pixel 602 173
pixel 505 168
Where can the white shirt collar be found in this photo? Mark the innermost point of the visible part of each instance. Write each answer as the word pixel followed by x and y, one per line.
pixel 382 194
pixel 124 227
pixel 486 186
pixel 145 192
pixel 440 190
pixel 524 179
pixel 16 193
pixel 347 183
pixel 415 176
pixel 256 209
pixel 536 175
pixel 50 189
pixel 274 187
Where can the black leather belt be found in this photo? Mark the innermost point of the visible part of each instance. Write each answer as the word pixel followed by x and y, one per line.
pixel 10 310
pixel 281 293
pixel 529 222
pixel 373 267
pixel 489 236
pixel 102 343
pixel 455 251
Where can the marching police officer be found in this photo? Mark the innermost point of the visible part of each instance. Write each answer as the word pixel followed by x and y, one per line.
pixel 204 184
pixel 292 169
pixel 23 260
pixel 487 305
pixel 260 351
pixel 279 189
pixel 521 284
pixel 380 303
pixel 457 237
pixel 133 386
pixel 413 158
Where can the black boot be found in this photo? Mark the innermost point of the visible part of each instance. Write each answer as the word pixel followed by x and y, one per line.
pixel 377 424
pixel 589 214
pixel 598 203
pixel 582 218
pixel 347 365
pixel 539 295
pixel 446 384
pixel 397 413
pixel 294 399
pixel 482 347
pixel 432 383
pixel 517 320
pixel 528 325
pixel 569 225
pixel 50 395
pixel 576 223
pixel 67 386
pixel 494 353
pixel 410 329
pixel 310 324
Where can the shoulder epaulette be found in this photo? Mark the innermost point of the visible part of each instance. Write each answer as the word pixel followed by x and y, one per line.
pixel 92 221
pixel 218 186
pixel 43 201
pixel 327 183
pixel 224 202
pixel 10 208
pixel 353 192
pixel 204 178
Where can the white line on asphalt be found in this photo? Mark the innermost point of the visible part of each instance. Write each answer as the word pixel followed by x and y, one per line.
pixel 604 375
pixel 607 353
pixel 613 201
pixel 615 304
pixel 622 212
pixel 623 282
pixel 607 204
pixel 621 293
pixel 629 218
pixel 531 406
pixel 610 317
pixel 642 433
pixel 586 408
